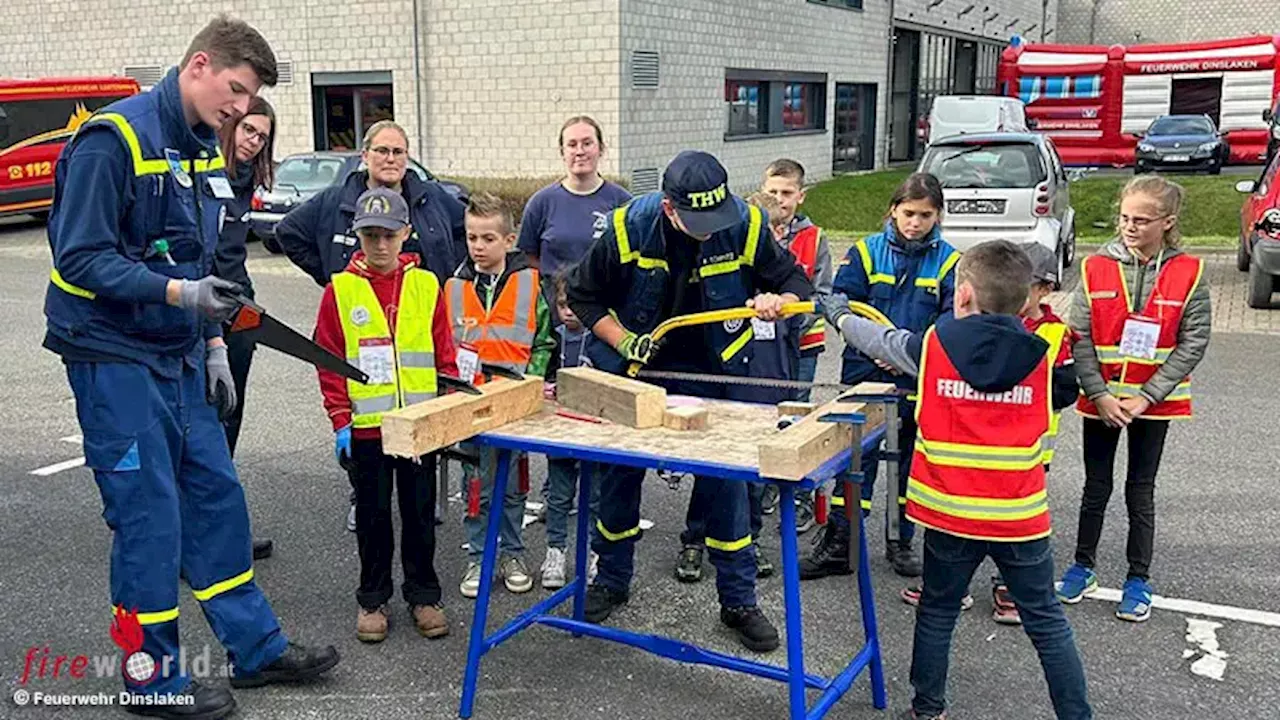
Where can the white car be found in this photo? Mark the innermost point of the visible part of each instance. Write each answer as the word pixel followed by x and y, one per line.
pixel 1004 186
pixel 967 114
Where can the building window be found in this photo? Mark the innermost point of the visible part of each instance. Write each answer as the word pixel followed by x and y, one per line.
pixel 846 4
pixel 745 101
pixel 766 102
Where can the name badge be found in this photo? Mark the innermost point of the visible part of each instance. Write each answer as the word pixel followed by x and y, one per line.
pixel 763 329
pixel 468 360
pixel 377 360
pixel 221 188
pixel 347 240
pixel 1140 336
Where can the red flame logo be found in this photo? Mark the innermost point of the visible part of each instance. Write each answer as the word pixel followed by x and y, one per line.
pixel 126 631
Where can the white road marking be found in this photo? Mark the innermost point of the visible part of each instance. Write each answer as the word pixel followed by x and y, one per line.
pixel 73 439
pixel 1195 607
pixel 1213 661
pixel 58 467
pixel 645 524
pixel 532 506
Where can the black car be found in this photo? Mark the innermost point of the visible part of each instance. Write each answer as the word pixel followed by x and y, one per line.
pixel 300 176
pixel 1181 142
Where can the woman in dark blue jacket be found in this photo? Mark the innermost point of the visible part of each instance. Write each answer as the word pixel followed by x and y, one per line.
pixel 317 235
pixel 248 144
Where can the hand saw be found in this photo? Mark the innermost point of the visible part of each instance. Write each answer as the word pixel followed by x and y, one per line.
pixel 746 313
pixel 738 380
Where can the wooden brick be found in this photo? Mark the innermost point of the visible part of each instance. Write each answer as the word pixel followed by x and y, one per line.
pixel 613 397
pixel 687 418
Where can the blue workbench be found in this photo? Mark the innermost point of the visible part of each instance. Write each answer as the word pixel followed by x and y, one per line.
pixel 793 673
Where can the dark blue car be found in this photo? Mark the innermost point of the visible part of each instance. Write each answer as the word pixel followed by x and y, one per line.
pixel 1181 142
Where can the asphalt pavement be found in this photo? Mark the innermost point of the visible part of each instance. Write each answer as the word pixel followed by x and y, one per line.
pixel 1217 501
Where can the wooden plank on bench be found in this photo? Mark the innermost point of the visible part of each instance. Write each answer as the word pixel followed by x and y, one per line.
pixel 803 447
pixel 440 422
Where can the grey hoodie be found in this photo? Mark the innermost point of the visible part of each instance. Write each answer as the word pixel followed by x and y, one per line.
pixel 1193 334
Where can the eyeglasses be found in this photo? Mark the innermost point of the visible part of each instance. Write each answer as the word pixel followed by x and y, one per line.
pixel 1139 223
pixel 385 152
pixel 252 134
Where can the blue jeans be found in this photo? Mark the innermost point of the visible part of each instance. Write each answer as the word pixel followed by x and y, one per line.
pixel 511 528
pixel 1027 567
pixel 806 371
pixel 562 480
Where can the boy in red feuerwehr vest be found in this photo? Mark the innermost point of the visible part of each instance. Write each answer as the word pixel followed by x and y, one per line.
pixel 977 485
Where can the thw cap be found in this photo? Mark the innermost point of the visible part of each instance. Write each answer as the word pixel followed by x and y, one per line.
pixel 698 187
pixel 381 208
pixel 1044 262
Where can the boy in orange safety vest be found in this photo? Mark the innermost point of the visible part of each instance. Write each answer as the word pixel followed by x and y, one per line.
pixel 499 317
pixel 784 180
pixel 987 393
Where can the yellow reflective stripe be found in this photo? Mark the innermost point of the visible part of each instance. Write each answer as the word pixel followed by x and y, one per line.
pixel 737 345
pixel 67 287
pixel 728 545
pixel 872 276
pixel 978 508
pixel 620 235
pixel 143 166
pixel 837 501
pixel 648 263
pixel 866 504
pixel 1111 354
pixel 924 282
pixel 1052 333
pixel 616 536
pixel 980 456
pixel 1119 389
pixel 753 235
pixel 216 589
pixel 151 618
pixel 949 263
pixel 722 268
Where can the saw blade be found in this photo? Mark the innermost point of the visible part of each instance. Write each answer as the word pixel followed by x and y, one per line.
pixel 737 380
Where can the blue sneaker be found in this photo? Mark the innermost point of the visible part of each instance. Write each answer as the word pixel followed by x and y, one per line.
pixel 1076 582
pixel 1135 604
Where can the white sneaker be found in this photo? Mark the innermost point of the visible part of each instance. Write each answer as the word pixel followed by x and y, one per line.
pixel 470 586
pixel 553 569
pixel 593 566
pixel 351 518
pixel 515 575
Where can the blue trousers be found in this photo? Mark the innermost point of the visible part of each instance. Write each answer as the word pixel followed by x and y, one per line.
pixel 728 534
pixel 511 528
pixel 562 480
pixel 1027 567
pixel 701 503
pixel 173 502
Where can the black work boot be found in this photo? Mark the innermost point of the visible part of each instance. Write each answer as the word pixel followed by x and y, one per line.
pixel 602 601
pixel 904 558
pixel 830 555
pixel 754 630
pixel 298 663
pixel 689 564
pixel 262 548
pixel 207 703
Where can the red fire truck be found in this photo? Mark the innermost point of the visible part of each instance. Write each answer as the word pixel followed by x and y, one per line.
pixel 1091 99
pixel 37 117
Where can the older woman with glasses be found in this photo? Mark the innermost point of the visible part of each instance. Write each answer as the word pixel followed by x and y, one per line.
pixel 248 144
pixel 317 235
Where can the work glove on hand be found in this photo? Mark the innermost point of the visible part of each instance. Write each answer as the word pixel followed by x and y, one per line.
pixel 636 348
pixel 220 389
pixel 210 296
pixel 342 445
pixel 834 308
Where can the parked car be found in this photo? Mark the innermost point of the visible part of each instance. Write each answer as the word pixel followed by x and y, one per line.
pixel 1272 118
pixel 965 114
pixel 300 176
pixel 1259 250
pixel 1009 186
pixel 1181 142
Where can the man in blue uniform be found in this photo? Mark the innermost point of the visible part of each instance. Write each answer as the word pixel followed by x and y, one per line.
pixel 691 247
pixel 911 281
pixel 135 315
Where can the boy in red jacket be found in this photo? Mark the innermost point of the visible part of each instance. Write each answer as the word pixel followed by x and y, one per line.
pixel 388 317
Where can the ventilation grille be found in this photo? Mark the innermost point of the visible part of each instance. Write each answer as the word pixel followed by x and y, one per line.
pixel 644 180
pixel 146 75
pixel 644 69
pixel 284 72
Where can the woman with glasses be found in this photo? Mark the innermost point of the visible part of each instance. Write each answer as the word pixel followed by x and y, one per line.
pixel 1143 317
pixel 248 145
pixel 317 235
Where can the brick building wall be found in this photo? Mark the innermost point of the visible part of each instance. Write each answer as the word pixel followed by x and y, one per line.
pixel 1158 21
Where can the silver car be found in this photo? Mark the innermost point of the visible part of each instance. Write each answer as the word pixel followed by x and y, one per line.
pixel 1009 186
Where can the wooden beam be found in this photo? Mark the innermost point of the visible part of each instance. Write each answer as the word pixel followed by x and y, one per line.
pixel 613 397
pixel 689 417
pixel 803 447
pixel 793 407
pixel 440 422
